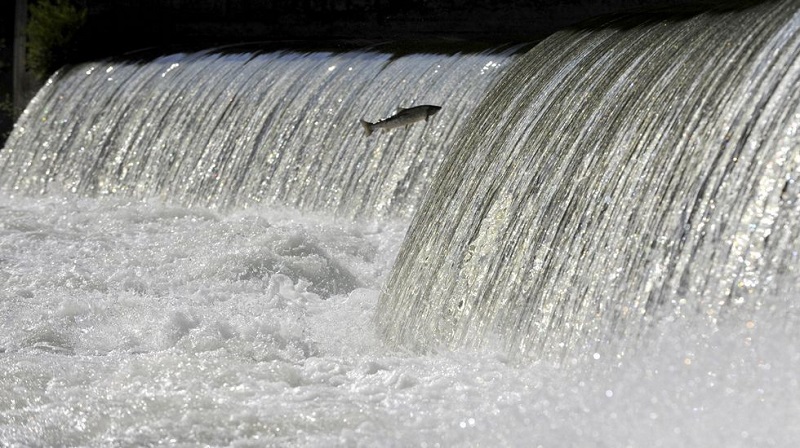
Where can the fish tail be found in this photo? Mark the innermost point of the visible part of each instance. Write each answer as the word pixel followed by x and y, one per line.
pixel 367 127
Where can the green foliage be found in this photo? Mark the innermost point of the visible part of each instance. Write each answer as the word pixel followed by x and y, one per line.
pixel 52 28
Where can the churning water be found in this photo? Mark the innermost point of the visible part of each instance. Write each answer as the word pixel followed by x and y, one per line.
pixel 592 244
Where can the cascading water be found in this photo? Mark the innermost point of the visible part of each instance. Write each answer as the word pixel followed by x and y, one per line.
pixel 611 177
pixel 179 263
pixel 226 130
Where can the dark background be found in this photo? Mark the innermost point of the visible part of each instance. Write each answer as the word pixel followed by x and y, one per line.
pixel 134 28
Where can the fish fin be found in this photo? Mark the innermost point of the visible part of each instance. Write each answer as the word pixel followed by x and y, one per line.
pixel 400 109
pixel 367 127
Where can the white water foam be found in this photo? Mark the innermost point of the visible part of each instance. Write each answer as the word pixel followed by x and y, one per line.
pixel 142 324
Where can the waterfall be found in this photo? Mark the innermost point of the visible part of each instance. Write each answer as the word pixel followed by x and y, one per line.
pixel 229 130
pixel 614 177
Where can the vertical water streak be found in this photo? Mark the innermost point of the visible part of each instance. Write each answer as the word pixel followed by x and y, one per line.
pixel 613 175
pixel 231 130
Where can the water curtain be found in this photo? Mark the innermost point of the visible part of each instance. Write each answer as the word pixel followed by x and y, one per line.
pixel 227 130
pixel 615 176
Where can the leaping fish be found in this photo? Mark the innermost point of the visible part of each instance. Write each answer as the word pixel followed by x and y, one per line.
pixel 403 117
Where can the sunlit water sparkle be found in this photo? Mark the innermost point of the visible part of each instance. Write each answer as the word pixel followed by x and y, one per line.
pixel 138 324
pixel 153 293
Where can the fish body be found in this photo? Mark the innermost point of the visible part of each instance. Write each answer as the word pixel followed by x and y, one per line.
pixel 403 117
